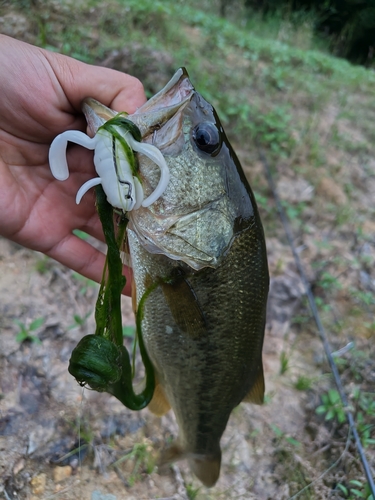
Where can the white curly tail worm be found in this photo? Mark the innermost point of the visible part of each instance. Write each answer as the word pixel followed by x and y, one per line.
pixel 114 165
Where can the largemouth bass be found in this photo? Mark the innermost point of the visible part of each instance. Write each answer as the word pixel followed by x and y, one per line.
pixel 199 255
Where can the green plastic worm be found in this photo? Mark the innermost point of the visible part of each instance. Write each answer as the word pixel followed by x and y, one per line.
pixel 101 360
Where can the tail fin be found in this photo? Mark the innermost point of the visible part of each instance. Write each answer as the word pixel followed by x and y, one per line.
pixel 205 467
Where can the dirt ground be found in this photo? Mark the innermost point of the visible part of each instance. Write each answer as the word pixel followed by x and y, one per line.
pixel 58 440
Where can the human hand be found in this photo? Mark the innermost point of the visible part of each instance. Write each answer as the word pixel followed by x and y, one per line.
pixel 41 97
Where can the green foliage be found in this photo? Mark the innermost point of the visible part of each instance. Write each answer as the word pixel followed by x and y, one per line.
pixel 303 383
pixel 365 415
pixel 282 436
pixel 85 283
pixel 143 460
pixel 328 282
pixel 192 492
pixel 322 304
pixel 79 321
pixel 26 331
pixel 272 131
pixel 332 407
pixel 355 489
pixel 284 362
pixel 43 265
pixel 348 25
pixel 294 211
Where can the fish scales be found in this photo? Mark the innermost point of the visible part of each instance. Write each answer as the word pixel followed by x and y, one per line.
pixel 201 375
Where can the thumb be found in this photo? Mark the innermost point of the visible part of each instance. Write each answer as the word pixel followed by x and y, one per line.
pixel 78 80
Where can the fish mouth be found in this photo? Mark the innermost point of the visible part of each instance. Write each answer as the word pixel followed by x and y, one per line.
pixel 153 114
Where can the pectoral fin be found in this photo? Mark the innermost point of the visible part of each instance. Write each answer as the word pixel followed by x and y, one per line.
pixel 159 404
pixel 256 393
pixel 184 306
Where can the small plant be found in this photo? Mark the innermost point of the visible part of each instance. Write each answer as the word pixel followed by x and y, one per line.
pixel 281 435
pixel 328 282
pixel 284 362
pixel 365 415
pixel 332 407
pixel 143 460
pixel 303 383
pixel 192 492
pixel 43 265
pixel 79 321
pixel 86 283
pixel 25 332
pixel 356 490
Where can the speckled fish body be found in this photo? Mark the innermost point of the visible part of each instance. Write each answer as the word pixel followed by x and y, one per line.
pixel 201 250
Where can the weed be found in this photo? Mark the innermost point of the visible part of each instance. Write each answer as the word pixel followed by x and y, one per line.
pixel 356 489
pixel 366 298
pixel 332 407
pixel 43 265
pixel 26 332
pixel 328 282
pixel 85 283
pixel 282 436
pixel 294 211
pixel 284 362
pixel 79 321
pixel 365 415
pixel 192 492
pixel 143 460
pixel 322 304
pixel 303 383
pixel 272 130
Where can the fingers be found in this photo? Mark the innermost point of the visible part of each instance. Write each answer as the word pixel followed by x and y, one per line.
pixel 81 257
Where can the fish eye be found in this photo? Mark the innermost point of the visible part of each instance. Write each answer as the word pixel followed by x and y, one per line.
pixel 207 138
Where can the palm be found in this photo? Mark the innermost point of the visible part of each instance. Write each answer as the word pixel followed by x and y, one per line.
pixel 38 211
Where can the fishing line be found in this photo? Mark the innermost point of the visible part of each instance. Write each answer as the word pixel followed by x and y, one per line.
pixel 321 330
pixel 79 428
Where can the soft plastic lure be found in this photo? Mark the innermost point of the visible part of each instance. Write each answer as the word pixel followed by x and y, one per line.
pixel 115 163
pixel 101 361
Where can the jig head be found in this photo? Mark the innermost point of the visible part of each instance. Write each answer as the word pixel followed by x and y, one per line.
pixel 114 145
